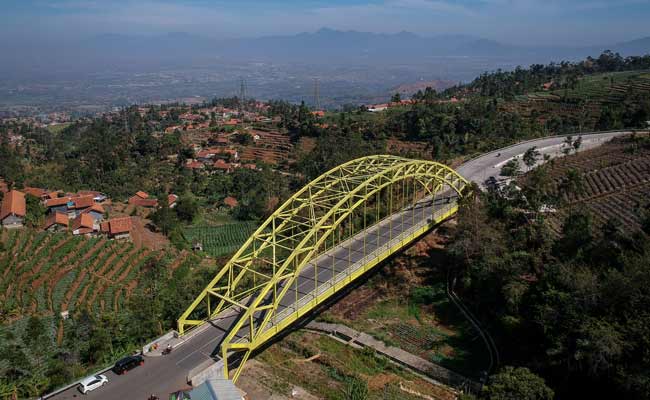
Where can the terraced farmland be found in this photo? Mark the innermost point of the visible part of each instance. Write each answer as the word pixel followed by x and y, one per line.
pixel 585 102
pixel 44 274
pixel 615 182
pixel 220 240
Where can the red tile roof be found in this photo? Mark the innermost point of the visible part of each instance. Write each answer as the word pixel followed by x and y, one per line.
pixel 171 199
pixel 13 203
pixel 136 201
pixel 116 226
pixel 194 165
pixel 92 193
pixel 57 218
pixel 59 201
pixel 230 201
pixel 221 164
pixel 95 207
pixel 81 222
pixel 83 202
pixel 142 195
pixel 34 191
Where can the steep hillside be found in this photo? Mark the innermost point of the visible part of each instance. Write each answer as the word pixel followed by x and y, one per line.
pixel 612 182
pixel 45 274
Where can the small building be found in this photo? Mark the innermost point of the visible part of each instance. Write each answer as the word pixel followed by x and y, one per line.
pixel 195 165
pixel 56 222
pixel 212 389
pixel 36 192
pixel 230 202
pixel 171 200
pixel 222 165
pixel 117 228
pixel 96 211
pixel 142 199
pixel 84 224
pixel 13 209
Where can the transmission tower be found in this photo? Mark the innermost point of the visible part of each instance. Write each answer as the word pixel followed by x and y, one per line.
pixel 317 93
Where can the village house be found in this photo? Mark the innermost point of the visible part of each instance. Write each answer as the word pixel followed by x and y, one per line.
pixel 230 201
pixel 96 211
pixel 171 200
pixel 194 165
pixel 56 222
pixel 36 192
pixel 221 165
pixel 142 199
pixel 13 209
pixel 84 224
pixel 73 206
pixel 117 228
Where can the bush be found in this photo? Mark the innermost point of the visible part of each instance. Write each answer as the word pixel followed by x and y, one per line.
pixel 355 389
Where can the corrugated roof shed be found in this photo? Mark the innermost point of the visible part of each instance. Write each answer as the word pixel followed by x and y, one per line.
pixel 217 389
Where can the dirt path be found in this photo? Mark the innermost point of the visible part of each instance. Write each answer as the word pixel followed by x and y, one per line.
pixel 143 237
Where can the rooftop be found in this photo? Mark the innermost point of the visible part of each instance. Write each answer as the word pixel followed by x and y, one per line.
pixel 13 203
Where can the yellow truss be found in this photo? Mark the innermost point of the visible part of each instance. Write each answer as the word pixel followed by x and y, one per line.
pixel 256 280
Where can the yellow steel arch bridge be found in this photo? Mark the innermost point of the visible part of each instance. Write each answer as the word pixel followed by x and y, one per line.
pixel 321 239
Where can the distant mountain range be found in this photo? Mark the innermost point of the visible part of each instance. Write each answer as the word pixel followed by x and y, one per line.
pixel 325 46
pixel 353 67
pixel 347 47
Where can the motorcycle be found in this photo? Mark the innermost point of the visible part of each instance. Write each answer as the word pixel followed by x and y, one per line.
pixel 167 350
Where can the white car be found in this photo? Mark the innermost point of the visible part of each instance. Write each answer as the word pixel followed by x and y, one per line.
pixel 92 383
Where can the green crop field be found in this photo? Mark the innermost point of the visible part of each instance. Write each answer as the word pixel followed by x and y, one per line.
pixel 45 273
pixel 220 240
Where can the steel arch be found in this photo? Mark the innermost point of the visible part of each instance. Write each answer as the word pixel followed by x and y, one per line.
pixel 257 278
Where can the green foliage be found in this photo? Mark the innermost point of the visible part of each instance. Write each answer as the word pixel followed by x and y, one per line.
pixel 517 384
pixel 35 211
pixel 187 208
pixel 511 168
pixel 572 305
pixel 355 389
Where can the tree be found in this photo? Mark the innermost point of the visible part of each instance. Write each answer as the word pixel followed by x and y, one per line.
pixel 568 145
pixel 517 384
pixel 530 157
pixel 187 208
pixel 396 98
pixel 577 143
pixel 165 219
pixel 34 331
pixel 511 168
pixel 577 235
pixel 35 211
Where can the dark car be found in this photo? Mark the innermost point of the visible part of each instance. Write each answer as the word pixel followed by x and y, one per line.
pixel 127 364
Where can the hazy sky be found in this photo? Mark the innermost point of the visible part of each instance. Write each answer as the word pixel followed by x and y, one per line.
pixel 568 22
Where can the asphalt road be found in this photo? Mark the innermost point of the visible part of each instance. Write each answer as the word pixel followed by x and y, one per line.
pixel 163 375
